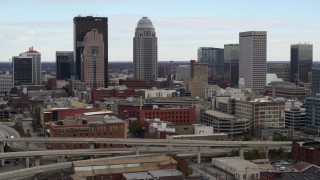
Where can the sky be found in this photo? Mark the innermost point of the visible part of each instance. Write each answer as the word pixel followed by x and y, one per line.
pixel 182 26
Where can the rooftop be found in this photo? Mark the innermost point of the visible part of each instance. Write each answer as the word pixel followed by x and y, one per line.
pixel 144 22
pixel 237 163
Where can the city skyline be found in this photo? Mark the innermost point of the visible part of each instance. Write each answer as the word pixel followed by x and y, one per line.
pixel 182 26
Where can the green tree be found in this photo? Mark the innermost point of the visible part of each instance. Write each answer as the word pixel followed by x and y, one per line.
pixel 136 129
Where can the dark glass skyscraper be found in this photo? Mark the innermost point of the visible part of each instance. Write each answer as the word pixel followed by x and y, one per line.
pixel 301 63
pixel 315 83
pixel 64 65
pixel 231 64
pixel 22 70
pixel 82 25
pixel 214 58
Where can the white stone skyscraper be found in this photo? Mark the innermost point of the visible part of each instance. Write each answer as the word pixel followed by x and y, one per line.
pixel 145 51
pixel 253 59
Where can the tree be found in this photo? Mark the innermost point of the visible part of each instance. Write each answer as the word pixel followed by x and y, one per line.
pixel 136 129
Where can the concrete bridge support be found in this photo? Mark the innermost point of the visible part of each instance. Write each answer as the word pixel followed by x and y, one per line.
pixel 266 150
pixel 199 155
pixel 61 159
pixel 137 149
pixel 37 160
pixel 2 151
pixel 241 152
pixel 27 162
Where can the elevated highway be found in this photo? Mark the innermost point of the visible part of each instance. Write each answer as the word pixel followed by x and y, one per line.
pixel 152 142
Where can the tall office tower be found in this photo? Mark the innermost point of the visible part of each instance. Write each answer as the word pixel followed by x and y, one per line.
pixel 83 25
pixel 315 82
pixel 29 58
pixel 301 63
pixel 198 79
pixel 253 59
pixel 231 64
pixel 93 58
pixel 313 113
pixel 214 58
pixel 64 64
pixel 164 71
pixel 145 51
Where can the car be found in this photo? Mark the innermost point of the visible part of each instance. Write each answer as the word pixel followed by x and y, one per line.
pixel 282 168
pixel 277 164
pixel 7 161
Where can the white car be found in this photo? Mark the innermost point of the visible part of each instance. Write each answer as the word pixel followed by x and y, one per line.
pixel 282 168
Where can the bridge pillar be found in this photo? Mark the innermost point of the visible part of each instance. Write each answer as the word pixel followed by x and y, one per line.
pixel 241 152
pixel 27 146
pixel 27 162
pixel 37 161
pixel 137 149
pixel 61 159
pixel 92 147
pixel 2 151
pixel 266 150
pixel 199 155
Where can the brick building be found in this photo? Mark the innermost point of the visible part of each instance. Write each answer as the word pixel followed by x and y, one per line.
pixel 308 151
pixel 130 111
pixel 178 116
pixel 95 126
pixel 143 84
pixel 98 94
pixel 55 114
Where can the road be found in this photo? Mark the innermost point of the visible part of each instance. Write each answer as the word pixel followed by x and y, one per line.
pixel 155 142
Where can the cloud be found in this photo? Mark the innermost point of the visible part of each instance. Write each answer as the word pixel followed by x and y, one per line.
pixel 178 37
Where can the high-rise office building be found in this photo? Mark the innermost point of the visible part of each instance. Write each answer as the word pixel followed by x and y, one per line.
pixel 214 58
pixel 64 65
pixel 27 68
pixel 313 113
pixel 315 82
pixel 83 25
pixel 301 63
pixel 231 64
pixel 253 59
pixel 198 79
pixel 145 51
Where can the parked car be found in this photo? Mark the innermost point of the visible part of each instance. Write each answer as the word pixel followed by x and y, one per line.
pixel 277 164
pixel 282 168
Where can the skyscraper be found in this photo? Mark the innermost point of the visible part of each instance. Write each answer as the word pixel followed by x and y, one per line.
pixel 27 68
pixel 253 59
pixel 231 64
pixel 214 58
pixel 82 25
pixel 315 82
pixel 198 79
pixel 64 65
pixel 301 63
pixel 145 51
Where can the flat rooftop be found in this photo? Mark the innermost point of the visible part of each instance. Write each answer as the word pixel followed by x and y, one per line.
pixel 97 113
pixel 237 163
pixel 220 114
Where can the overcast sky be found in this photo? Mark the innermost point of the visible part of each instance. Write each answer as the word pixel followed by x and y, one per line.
pixel 181 25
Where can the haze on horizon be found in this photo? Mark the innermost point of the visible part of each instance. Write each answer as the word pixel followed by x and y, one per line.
pixel 181 25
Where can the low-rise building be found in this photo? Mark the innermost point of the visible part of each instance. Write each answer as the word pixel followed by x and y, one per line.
pixel 87 125
pixel 286 90
pixel 159 93
pixel 225 123
pixel 177 116
pixel 308 151
pixel 241 169
pixel 6 82
pixel 266 133
pixel 265 111
pixel 117 91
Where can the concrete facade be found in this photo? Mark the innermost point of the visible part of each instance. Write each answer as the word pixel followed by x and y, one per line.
pixel 6 82
pixel 198 79
pixel 253 59
pixel 145 51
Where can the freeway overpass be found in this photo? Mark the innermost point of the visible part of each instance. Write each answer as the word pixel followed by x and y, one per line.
pixel 152 142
